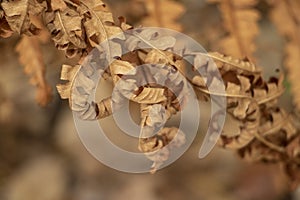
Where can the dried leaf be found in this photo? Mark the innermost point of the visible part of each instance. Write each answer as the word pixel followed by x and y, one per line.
pixel 246 92
pixel 65 28
pixel 157 148
pixel 155 56
pixel 119 68
pixel 278 120
pixel 104 108
pixel 248 128
pixel 58 5
pixel 150 95
pixel 68 73
pixel 261 131
pixel 153 118
pixel 258 152
pixel 77 90
pixel 18 13
pixel 239 75
pixel 100 26
pixel 32 59
pixel 5 30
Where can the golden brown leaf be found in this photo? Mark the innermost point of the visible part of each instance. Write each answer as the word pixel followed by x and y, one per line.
pixel 150 95
pixel 66 30
pixel 260 129
pixel 18 13
pixel 68 73
pixel 104 108
pixel 31 58
pixel 119 68
pixel 233 63
pixel 77 90
pixel 100 26
pixel 277 120
pixel 58 5
pixel 157 148
pixel 246 94
pixel 247 128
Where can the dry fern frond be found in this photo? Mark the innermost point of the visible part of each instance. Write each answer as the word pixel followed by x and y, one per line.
pixel 249 98
pixel 262 131
pixel 240 21
pixel 240 102
pixel 276 130
pixel 31 58
pixel 163 13
pixel 18 14
pixel 76 27
pixel 66 30
pixel 129 82
pixel 77 90
pixel 285 17
pixel 100 26
pixel 68 73
pixel 158 147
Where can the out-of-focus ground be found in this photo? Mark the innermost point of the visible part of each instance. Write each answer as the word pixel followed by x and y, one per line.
pixel 42 157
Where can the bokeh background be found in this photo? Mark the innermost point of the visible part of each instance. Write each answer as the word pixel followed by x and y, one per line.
pixel 42 158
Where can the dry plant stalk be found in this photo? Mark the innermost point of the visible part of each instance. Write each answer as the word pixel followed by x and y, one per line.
pixel 265 132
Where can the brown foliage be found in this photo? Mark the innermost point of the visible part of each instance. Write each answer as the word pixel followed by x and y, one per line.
pixel 163 14
pixel 264 131
pixel 32 59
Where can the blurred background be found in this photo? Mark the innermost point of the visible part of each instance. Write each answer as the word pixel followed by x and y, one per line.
pixel 42 157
